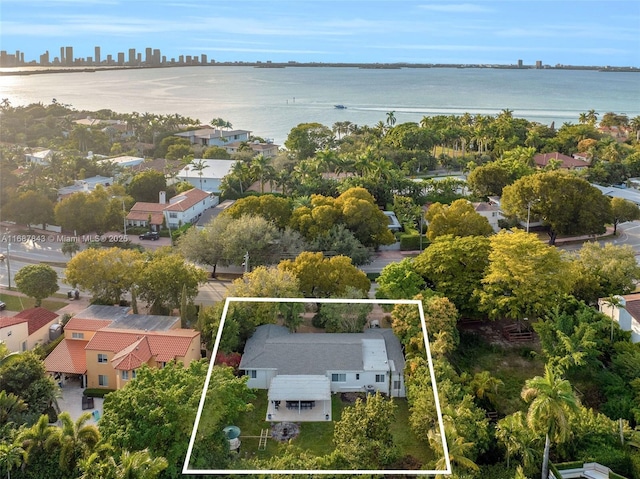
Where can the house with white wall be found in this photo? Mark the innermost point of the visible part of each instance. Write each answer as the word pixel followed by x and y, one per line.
pixel 302 370
pixel 626 313
pixel 186 207
pixel 209 136
pixel 207 178
pixel 39 157
pixel 491 211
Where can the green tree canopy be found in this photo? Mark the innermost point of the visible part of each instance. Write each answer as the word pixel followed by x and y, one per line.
pixel 37 281
pixel 566 204
pixel 399 281
pixel 524 277
pixel 623 210
pixel 306 139
pixel 488 180
pixel 30 207
pixel 455 266
pixel 147 185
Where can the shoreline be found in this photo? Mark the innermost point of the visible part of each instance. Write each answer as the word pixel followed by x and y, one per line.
pixel 42 70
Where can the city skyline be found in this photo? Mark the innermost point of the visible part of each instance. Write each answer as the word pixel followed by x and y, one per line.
pixel 581 32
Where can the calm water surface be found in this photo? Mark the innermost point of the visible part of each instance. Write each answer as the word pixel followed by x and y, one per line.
pixel 271 101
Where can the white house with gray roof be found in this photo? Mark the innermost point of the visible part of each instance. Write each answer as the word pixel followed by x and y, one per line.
pixel 301 370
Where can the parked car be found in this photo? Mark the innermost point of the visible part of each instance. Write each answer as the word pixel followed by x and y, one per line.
pixel 2 257
pixel 149 235
pixel 3 305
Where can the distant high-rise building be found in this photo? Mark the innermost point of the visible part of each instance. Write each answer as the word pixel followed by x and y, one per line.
pixel 203 58
pixel 62 55
pixel 148 55
pixel 132 56
pixel 156 57
pixel 68 55
pixel 97 55
pixel 519 63
pixel 181 59
pixel 120 58
pixel 44 58
pixel 539 64
pixel 139 59
pixel 109 59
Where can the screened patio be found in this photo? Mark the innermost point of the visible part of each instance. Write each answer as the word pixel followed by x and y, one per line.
pixel 299 399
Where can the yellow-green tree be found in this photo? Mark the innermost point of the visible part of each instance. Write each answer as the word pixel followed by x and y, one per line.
pixel 457 219
pixel 623 210
pixel 321 277
pixel 524 278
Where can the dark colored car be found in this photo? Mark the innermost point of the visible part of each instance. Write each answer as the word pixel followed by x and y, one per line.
pixel 149 235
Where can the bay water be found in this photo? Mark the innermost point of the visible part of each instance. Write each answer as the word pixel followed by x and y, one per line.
pixel 271 101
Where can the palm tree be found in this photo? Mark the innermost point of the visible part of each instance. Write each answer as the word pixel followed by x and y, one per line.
pixel 457 448
pixel 391 118
pixel 77 439
pixel 11 406
pixel 261 169
pixel 551 401
pixel 485 386
pixel 591 117
pixel 140 465
pixel 199 166
pixel 11 456
pixel 514 434
pixel 41 437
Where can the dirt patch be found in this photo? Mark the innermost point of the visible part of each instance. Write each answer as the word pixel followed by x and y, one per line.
pixel 283 431
pixel 493 332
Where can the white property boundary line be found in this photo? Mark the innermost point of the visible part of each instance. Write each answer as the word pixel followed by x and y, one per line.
pixel 447 471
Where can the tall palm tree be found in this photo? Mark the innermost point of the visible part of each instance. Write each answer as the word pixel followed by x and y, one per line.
pixel 514 434
pixel 199 166
pixel 261 169
pixel 77 439
pixel 11 456
pixel 551 401
pixel 391 118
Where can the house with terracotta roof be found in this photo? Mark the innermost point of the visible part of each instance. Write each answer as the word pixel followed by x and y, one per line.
pixel 105 345
pixel 626 313
pixel 27 329
pixel 564 162
pixel 186 207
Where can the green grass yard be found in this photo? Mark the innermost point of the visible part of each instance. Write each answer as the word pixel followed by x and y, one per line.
pixel 20 303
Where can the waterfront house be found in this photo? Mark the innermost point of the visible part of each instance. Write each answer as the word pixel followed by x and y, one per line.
pixel 209 136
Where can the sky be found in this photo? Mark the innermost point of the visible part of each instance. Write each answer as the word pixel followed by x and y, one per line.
pixel 581 32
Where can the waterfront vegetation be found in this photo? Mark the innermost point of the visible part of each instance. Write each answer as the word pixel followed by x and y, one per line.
pixel 307 219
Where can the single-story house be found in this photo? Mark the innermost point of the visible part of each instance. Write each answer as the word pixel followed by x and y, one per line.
pixel 629 194
pixel 105 345
pixel 301 370
pixel 565 162
pixel 209 177
pixel 124 161
pixel 209 136
pixel 183 208
pixel 626 314
pixel 27 329
pixel 39 157
pixel 87 185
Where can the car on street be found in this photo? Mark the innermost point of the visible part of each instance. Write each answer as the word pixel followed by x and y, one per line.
pixel 3 305
pixel 149 235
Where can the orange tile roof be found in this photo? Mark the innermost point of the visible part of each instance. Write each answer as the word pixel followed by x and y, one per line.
pixel 191 197
pixel 164 345
pixel 133 356
pixel 7 321
pixel 67 357
pixel 80 324
pixel 37 318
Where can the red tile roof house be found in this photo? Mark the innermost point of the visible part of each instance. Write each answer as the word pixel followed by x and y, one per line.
pixel 542 160
pixel 105 345
pixel 183 208
pixel 27 329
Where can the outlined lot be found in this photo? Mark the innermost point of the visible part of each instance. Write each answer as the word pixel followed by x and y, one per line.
pixel 188 470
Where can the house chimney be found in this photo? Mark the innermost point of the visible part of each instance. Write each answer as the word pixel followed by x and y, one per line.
pixel 163 197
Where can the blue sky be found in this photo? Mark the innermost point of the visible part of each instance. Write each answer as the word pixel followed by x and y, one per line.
pixel 583 32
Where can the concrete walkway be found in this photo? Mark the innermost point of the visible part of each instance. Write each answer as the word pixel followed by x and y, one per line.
pixel 71 402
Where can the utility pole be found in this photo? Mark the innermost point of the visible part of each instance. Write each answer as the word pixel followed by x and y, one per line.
pixel 9 265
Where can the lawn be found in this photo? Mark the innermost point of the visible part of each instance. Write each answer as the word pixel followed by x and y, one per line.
pixel 513 366
pixel 406 440
pixel 20 303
